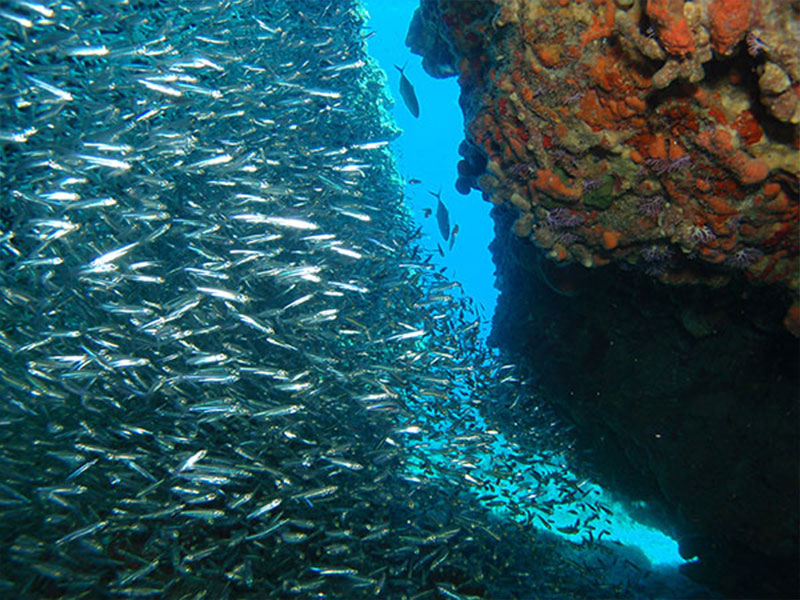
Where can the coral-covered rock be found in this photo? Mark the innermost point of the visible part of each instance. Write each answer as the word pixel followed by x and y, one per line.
pixel 728 22
pixel 599 106
pixel 673 31
pixel 655 136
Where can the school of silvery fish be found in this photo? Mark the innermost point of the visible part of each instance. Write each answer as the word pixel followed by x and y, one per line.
pixel 227 369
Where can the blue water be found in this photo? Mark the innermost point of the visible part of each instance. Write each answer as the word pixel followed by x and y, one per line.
pixel 427 150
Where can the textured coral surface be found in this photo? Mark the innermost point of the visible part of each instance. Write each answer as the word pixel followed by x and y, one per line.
pixel 667 128
pixel 659 137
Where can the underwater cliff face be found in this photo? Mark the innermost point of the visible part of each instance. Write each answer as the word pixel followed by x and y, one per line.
pixel 657 140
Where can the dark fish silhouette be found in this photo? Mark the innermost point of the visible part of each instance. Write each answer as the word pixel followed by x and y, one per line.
pixel 443 219
pixel 427 212
pixel 407 92
pixel 442 216
pixel 414 181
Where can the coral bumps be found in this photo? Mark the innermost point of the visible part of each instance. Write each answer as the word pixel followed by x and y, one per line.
pixel 660 123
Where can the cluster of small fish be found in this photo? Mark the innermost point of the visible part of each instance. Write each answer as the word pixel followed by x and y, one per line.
pixel 219 341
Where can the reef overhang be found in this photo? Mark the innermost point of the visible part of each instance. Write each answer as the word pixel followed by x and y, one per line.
pixel 658 139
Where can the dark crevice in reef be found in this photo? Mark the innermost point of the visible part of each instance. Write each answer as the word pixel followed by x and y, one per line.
pixel 681 396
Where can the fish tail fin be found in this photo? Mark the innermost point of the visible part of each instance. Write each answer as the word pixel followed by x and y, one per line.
pixel 403 68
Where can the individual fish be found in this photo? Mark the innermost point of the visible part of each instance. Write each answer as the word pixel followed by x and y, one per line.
pixel 162 88
pixel 407 335
pixel 104 161
pixel 264 509
pixel 224 294
pixel 442 216
pixel 353 64
pixel 219 159
pixel 286 222
pixel 87 51
pixel 84 531
pixel 55 90
pixel 408 94
pixel 41 9
pixel 453 235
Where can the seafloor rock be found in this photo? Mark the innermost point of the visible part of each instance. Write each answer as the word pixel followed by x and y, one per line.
pixel 658 137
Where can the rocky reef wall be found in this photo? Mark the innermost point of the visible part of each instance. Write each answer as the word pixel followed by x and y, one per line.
pixel 643 157
pixel 683 397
